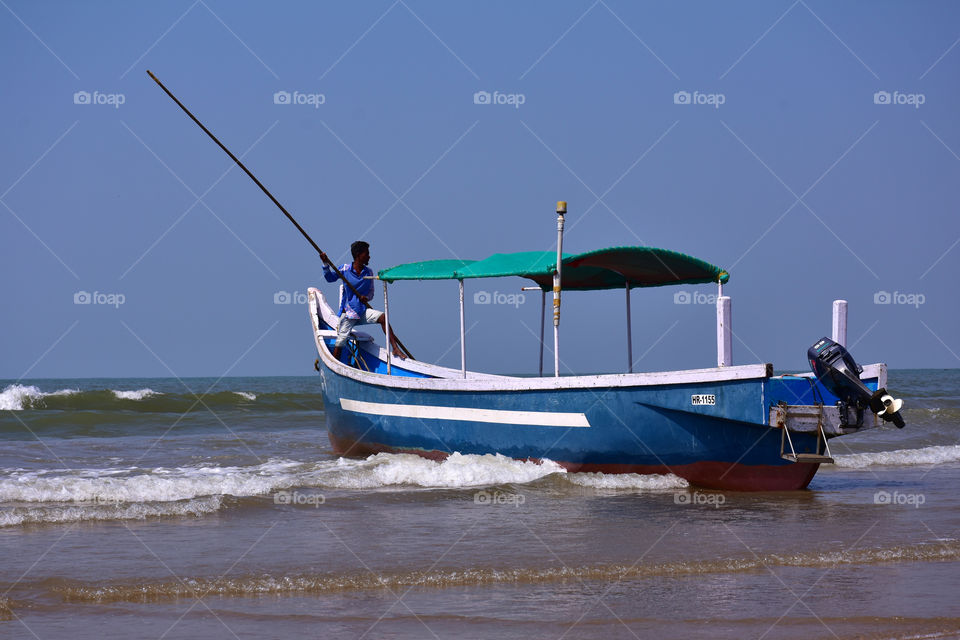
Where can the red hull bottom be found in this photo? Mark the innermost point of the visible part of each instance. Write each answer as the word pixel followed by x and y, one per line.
pixel 709 475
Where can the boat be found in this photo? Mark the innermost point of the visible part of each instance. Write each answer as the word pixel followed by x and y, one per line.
pixel 726 427
pixel 729 427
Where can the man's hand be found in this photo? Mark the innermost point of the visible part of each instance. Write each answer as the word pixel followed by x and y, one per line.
pixel 324 257
pixel 364 299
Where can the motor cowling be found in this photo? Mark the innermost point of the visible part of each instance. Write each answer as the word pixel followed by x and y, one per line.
pixel 836 369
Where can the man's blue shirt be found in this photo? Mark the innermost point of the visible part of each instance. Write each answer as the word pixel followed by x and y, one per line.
pixel 350 303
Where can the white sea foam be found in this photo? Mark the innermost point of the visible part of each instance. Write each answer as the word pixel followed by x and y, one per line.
pixel 17 396
pixel 123 492
pixel 457 470
pixel 627 481
pixel 900 457
pixel 246 395
pixel 119 511
pixel 166 485
pixel 143 486
pixel 139 394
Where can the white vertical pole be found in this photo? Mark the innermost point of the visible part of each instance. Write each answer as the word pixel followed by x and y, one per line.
pixel 463 344
pixel 561 210
pixel 840 322
pixel 556 329
pixel 629 332
pixel 386 322
pixel 543 310
pixel 724 333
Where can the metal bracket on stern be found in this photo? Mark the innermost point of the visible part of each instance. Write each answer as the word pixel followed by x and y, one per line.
pixel 800 419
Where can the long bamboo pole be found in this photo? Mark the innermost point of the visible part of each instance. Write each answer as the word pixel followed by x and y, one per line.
pixel 323 256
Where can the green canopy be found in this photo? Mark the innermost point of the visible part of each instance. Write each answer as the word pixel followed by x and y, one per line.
pixel 426 270
pixel 524 263
pixel 601 269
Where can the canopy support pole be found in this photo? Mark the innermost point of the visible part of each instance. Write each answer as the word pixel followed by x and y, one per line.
pixel 543 310
pixel 629 333
pixel 463 344
pixel 386 322
pixel 561 210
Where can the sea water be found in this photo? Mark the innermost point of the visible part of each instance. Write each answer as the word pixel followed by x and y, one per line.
pixel 148 508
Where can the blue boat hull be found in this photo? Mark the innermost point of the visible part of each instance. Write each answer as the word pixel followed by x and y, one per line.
pixel 631 430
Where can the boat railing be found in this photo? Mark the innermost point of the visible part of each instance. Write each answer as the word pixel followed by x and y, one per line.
pixel 320 311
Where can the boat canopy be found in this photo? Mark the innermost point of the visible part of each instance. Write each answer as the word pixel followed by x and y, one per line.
pixel 612 268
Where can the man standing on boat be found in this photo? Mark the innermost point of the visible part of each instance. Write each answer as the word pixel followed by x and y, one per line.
pixel 354 310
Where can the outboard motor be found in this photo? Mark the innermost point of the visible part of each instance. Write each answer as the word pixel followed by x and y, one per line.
pixel 840 374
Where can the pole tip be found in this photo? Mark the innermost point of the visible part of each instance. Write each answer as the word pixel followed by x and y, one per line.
pixel 561 206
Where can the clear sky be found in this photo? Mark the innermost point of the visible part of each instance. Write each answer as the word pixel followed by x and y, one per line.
pixel 810 148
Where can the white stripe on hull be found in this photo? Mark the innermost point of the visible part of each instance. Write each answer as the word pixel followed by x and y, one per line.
pixel 498 416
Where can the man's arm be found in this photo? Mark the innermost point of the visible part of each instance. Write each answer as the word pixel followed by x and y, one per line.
pixel 328 274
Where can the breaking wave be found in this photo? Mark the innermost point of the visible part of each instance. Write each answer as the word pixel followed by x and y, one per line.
pixel 900 457
pixel 17 397
pixel 627 481
pixel 254 585
pixel 62 495
pixel 118 511
pixel 457 470
pixel 134 485
pixel 139 394
pixel 161 484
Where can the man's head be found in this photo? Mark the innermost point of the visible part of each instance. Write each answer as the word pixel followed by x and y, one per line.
pixel 359 248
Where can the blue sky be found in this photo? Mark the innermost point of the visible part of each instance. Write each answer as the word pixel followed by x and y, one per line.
pixel 809 148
